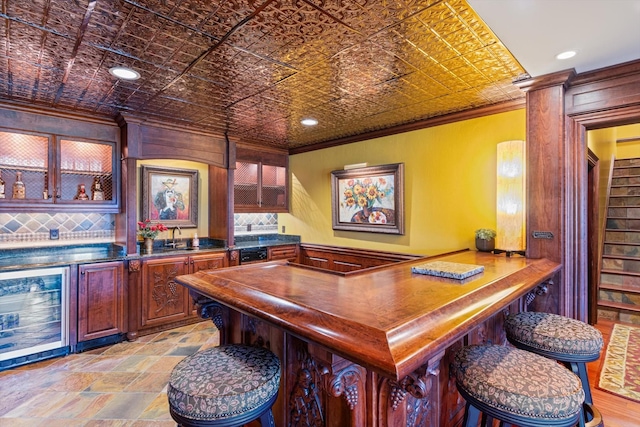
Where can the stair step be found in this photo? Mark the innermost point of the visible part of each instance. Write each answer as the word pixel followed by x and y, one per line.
pixel 621 272
pixel 625 264
pixel 622 249
pixel 619 306
pixel 621 236
pixel 621 257
pixel 618 288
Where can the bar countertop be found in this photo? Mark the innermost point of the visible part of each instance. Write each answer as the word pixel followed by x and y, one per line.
pixel 389 320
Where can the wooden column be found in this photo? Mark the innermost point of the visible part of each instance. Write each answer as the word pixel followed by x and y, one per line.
pixel 551 190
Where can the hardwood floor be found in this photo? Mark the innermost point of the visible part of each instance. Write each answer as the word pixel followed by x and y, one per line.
pixel 616 411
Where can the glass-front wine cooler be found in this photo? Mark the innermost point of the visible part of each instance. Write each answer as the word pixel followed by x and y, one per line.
pixel 34 315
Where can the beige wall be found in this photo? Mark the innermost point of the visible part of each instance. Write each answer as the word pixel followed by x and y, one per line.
pixel 450 180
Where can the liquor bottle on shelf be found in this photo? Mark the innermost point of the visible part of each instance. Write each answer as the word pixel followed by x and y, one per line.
pixel 82 193
pixel 2 195
pixel 19 190
pixel 98 194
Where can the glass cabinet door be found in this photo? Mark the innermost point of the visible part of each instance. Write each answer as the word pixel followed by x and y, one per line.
pixel 24 166
pixel 273 186
pixel 245 184
pixel 86 171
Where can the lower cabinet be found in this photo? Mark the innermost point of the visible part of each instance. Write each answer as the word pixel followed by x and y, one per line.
pixel 101 300
pixel 163 301
pixel 288 252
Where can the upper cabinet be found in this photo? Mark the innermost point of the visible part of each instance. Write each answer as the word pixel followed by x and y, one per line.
pixel 41 172
pixel 56 162
pixel 260 181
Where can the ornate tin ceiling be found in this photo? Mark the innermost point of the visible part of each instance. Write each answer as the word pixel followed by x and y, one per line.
pixel 255 68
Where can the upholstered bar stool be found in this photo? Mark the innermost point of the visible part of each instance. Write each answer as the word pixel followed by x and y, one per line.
pixel 225 386
pixel 566 340
pixel 516 387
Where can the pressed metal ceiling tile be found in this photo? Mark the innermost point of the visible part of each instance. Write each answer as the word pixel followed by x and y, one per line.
pixel 254 68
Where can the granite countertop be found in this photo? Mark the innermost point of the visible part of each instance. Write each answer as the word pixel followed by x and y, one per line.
pixel 17 259
pixel 264 240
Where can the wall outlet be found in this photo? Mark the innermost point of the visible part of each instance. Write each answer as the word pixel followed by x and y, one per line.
pixel 283 229
pixel 54 234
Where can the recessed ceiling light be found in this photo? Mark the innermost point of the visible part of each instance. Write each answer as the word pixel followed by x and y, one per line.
pixel 566 55
pixel 124 73
pixel 309 122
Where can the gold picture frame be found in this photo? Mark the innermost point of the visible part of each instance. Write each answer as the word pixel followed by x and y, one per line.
pixel 369 199
pixel 170 196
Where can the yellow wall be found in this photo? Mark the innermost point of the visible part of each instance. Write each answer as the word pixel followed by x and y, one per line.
pixel 203 194
pixel 602 143
pixel 626 150
pixel 450 181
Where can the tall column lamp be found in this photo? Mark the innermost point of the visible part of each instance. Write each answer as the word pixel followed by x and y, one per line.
pixel 511 203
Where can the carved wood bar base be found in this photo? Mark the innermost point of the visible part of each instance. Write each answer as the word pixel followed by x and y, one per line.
pixel 372 350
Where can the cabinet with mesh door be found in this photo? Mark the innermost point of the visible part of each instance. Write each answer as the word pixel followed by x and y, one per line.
pixel 260 182
pixel 52 171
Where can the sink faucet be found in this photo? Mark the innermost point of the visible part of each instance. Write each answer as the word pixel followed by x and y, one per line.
pixel 173 243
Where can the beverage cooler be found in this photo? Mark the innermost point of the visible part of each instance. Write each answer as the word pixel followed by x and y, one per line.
pixel 34 315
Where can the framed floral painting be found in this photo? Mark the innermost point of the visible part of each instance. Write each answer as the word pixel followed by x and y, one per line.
pixel 369 199
pixel 170 196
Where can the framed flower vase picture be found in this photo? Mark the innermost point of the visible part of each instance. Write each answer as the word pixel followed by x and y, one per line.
pixel 369 199
pixel 170 196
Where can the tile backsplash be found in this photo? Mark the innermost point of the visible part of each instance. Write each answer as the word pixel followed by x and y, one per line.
pixel 255 223
pixel 31 229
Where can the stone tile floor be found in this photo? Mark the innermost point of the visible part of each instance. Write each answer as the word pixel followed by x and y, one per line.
pixel 123 385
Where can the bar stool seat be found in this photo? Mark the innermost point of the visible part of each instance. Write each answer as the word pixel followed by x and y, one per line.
pixel 566 340
pixel 516 387
pixel 229 386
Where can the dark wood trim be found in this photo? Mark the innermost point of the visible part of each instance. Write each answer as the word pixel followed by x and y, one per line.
pixel 503 107
pixel 56 113
pixel 593 237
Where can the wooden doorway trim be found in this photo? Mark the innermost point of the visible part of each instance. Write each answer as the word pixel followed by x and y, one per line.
pixel 593 235
pixel 605 98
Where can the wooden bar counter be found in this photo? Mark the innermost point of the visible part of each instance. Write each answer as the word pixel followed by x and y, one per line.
pixel 370 348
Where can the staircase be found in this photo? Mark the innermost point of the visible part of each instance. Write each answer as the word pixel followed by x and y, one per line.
pixel 619 289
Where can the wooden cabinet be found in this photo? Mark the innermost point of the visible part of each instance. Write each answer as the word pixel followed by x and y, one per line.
pixel 164 302
pixel 288 252
pixel 101 300
pixel 345 260
pixel 76 174
pixel 260 182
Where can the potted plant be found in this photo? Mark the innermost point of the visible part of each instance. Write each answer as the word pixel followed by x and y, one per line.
pixel 485 239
